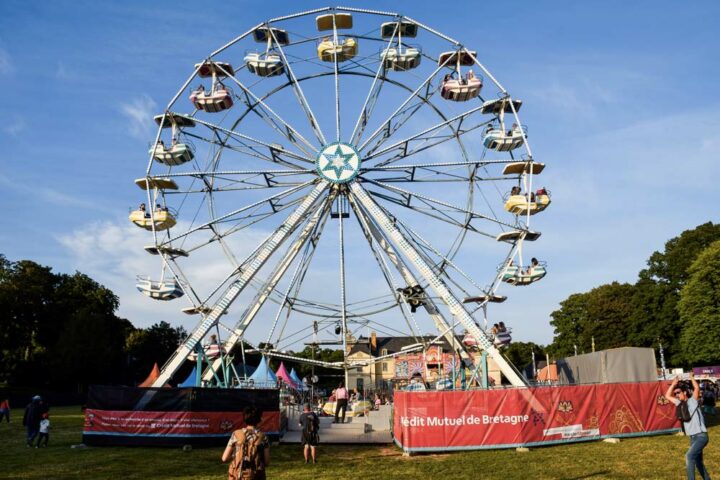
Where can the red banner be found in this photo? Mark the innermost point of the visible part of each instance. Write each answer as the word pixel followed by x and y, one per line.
pixel 180 424
pixel 451 420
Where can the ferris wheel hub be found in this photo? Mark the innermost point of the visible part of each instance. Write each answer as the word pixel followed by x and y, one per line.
pixel 338 162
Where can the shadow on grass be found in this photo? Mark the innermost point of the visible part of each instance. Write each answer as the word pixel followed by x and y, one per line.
pixel 589 475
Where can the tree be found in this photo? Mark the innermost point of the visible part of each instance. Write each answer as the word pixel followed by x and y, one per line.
pixel 148 346
pixel 520 353
pixel 671 266
pixel 601 315
pixel 699 309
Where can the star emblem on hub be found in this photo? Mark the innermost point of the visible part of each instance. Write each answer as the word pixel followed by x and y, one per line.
pixel 338 162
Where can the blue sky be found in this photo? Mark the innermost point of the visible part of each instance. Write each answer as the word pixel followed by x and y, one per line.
pixel 621 102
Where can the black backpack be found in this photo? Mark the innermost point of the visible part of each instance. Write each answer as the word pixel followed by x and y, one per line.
pixel 682 412
pixel 311 423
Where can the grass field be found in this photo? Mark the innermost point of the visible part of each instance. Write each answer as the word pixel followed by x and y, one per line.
pixel 649 457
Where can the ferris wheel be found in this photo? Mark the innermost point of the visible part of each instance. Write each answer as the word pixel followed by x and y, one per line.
pixel 334 171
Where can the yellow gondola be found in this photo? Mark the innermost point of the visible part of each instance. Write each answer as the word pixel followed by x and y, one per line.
pixel 520 204
pixel 327 49
pixel 161 219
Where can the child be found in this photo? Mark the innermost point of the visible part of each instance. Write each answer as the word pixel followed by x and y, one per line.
pixel 44 430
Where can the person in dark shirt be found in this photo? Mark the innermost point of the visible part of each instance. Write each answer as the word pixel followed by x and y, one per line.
pixel 310 424
pixel 31 419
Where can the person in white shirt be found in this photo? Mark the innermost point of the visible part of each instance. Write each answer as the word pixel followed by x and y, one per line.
pixel 44 431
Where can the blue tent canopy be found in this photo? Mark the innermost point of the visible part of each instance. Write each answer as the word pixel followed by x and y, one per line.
pixel 190 380
pixel 296 379
pixel 263 377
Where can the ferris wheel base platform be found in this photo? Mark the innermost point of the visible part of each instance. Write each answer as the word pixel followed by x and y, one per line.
pixel 372 428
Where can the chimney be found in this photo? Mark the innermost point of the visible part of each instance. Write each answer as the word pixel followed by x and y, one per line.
pixel 373 343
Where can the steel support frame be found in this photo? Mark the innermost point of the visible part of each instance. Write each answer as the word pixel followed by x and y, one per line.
pixel 386 224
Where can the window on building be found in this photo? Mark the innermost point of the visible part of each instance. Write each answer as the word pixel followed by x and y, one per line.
pixel 384 367
pixel 383 352
pixel 359 369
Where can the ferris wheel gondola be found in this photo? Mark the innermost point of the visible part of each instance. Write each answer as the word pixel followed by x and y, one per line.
pixel 280 192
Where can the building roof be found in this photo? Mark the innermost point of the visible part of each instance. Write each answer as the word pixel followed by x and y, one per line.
pixel 395 344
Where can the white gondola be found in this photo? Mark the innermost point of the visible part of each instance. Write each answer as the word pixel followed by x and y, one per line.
pixel 178 152
pixel 162 290
pixel 174 155
pixel 501 141
pixel 219 97
pixel 400 59
pixel 502 338
pixel 216 100
pixel 457 87
pixel 460 90
pixel 211 351
pixel 518 276
pixel 264 65
pixel 470 341
pixel 268 63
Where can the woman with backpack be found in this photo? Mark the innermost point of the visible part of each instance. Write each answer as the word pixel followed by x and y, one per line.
pixel 693 423
pixel 248 449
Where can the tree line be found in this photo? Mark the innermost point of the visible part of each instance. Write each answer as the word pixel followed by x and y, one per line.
pixel 60 331
pixel 675 302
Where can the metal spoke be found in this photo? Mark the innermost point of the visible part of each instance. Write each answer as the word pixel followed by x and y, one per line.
pixel 275 150
pixel 412 95
pixel 453 304
pixel 337 85
pixel 242 209
pixel 238 285
pixel 425 137
pixel 290 133
pixel 299 92
pixel 264 293
pixel 343 299
pixel 369 105
pixel 407 196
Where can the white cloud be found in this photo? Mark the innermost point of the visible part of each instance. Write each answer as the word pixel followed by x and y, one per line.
pixel 139 113
pixel 62 72
pixel 37 191
pixel 6 65
pixel 14 126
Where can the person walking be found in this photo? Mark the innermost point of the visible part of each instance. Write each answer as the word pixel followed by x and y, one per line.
pixel 31 419
pixel 5 409
pixel 248 448
pixel 44 430
pixel 341 401
pixel 694 427
pixel 310 424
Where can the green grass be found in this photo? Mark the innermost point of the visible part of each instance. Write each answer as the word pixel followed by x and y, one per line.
pixel 648 457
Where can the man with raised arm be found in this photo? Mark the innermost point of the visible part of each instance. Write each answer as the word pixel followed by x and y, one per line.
pixel 694 426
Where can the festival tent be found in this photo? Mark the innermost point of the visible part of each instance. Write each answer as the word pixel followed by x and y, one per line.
pixel 296 379
pixel 283 374
pixel 263 376
pixel 190 380
pixel 154 374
